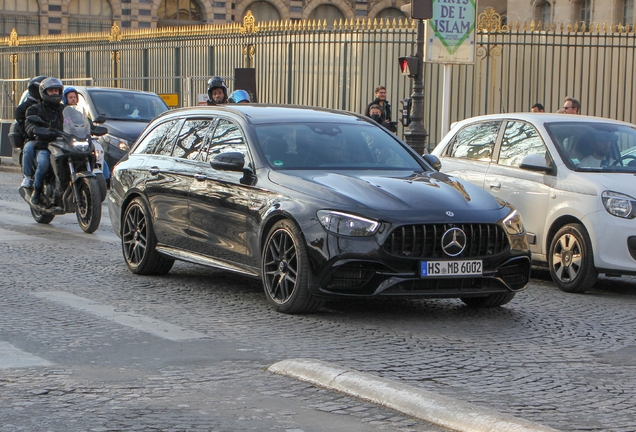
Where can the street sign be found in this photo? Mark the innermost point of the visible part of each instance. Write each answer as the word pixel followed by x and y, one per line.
pixel 451 32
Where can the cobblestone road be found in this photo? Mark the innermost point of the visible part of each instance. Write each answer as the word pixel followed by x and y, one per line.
pixel 566 361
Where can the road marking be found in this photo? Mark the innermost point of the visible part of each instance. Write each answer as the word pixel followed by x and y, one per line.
pixel 12 357
pixel 139 322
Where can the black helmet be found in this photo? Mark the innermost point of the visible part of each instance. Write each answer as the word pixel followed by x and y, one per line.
pixel 216 82
pixel 51 83
pixel 34 86
pixel 239 96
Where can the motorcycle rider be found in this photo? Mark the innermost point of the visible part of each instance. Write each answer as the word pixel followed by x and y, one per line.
pixel 49 111
pixel 28 151
pixel 239 96
pixel 217 91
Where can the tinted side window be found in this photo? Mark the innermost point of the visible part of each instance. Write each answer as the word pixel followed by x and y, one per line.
pixel 164 148
pixel 475 141
pixel 192 138
pixel 520 139
pixel 155 138
pixel 227 138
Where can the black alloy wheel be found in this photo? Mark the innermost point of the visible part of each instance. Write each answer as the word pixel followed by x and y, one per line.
pixel 571 259
pixel 39 217
pixel 139 243
pixel 89 208
pixel 285 270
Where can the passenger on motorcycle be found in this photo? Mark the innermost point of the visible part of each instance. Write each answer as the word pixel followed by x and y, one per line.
pixel 239 96
pixel 217 91
pixel 28 150
pixel 50 111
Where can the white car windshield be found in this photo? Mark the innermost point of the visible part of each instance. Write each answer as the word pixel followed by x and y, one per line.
pixel 595 146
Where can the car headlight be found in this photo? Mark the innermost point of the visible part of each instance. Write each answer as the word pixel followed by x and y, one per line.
pixel 120 143
pixel 618 204
pixel 513 223
pixel 347 224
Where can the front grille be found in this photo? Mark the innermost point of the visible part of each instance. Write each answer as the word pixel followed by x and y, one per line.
pixel 425 241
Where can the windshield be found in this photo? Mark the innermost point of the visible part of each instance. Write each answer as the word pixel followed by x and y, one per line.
pixel 595 146
pixel 325 146
pixel 76 123
pixel 127 105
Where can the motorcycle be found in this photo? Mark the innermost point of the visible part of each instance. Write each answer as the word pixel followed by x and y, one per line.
pixel 71 185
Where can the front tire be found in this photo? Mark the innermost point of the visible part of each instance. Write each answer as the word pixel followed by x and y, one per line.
pixel 571 259
pixel 41 218
pixel 492 300
pixel 139 243
pixel 285 270
pixel 101 182
pixel 89 209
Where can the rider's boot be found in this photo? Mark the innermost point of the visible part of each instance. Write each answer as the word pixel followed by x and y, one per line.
pixel 36 198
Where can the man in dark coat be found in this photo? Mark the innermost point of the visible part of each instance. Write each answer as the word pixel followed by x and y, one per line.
pixel 50 112
pixel 33 97
pixel 385 106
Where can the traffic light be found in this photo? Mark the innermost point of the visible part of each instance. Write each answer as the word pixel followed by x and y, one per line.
pixel 419 9
pixel 406 111
pixel 409 65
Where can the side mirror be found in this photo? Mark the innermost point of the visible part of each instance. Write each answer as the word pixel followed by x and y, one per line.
pixel 230 161
pixel 535 162
pixel 99 130
pixel 100 119
pixel 433 161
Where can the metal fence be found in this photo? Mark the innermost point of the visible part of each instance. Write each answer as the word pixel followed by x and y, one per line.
pixel 338 66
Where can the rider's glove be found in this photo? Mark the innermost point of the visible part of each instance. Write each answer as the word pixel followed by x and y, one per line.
pixel 45 134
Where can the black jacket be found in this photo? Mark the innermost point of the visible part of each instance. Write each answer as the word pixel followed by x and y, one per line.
pixel 51 114
pixel 20 113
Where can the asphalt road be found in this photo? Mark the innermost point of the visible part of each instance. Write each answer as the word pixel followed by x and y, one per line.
pixel 85 345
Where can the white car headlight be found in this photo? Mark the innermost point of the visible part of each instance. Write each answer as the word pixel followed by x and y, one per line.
pixel 347 224
pixel 121 144
pixel 513 223
pixel 618 204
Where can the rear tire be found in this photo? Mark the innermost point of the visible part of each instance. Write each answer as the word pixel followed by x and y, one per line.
pixel 139 243
pixel 571 259
pixel 89 209
pixel 41 218
pixel 492 300
pixel 285 270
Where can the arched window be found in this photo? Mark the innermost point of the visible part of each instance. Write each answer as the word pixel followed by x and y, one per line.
pixel 178 13
pixel 391 12
pixel 89 16
pixel 585 12
pixel 546 13
pixel 628 12
pixel 326 12
pixel 21 15
pixel 263 11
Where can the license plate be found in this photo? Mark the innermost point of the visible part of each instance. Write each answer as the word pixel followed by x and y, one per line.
pixel 451 268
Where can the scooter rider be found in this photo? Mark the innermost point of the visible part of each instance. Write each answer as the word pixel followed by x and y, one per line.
pixel 28 151
pixel 217 91
pixel 50 111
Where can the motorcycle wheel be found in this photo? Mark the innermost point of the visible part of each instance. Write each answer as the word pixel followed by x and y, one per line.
pixel 89 209
pixel 41 218
pixel 101 182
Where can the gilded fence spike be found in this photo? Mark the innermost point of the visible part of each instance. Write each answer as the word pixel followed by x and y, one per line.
pixel 532 25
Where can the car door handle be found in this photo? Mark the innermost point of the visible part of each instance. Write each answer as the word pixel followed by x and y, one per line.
pixel 495 185
pixel 154 170
pixel 200 177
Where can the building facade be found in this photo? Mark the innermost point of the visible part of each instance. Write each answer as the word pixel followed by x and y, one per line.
pixel 572 11
pixel 42 17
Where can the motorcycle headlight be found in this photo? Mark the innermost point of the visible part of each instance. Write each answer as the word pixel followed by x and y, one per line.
pixel 513 223
pixel 618 204
pixel 347 224
pixel 81 145
pixel 120 143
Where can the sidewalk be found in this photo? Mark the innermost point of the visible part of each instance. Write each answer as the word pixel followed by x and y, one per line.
pixel 6 164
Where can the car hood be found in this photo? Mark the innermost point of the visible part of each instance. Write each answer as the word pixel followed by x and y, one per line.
pixel 618 182
pixel 416 192
pixel 128 130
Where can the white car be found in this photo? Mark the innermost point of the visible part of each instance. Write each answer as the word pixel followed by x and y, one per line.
pixel 572 178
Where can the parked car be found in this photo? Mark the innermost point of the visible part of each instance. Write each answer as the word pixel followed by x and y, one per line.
pixel 578 207
pixel 127 113
pixel 316 204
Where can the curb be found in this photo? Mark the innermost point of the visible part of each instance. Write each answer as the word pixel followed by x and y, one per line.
pixel 433 408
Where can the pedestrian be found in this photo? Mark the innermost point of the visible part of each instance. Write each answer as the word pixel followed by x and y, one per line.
pixel 375 113
pixel 50 112
pixel 385 107
pixel 217 91
pixel 571 106
pixel 537 108
pixel 28 149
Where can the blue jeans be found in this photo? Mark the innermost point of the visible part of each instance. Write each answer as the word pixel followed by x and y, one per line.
pixel 28 159
pixel 44 163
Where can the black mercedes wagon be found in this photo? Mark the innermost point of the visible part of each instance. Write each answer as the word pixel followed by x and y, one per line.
pixel 316 203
